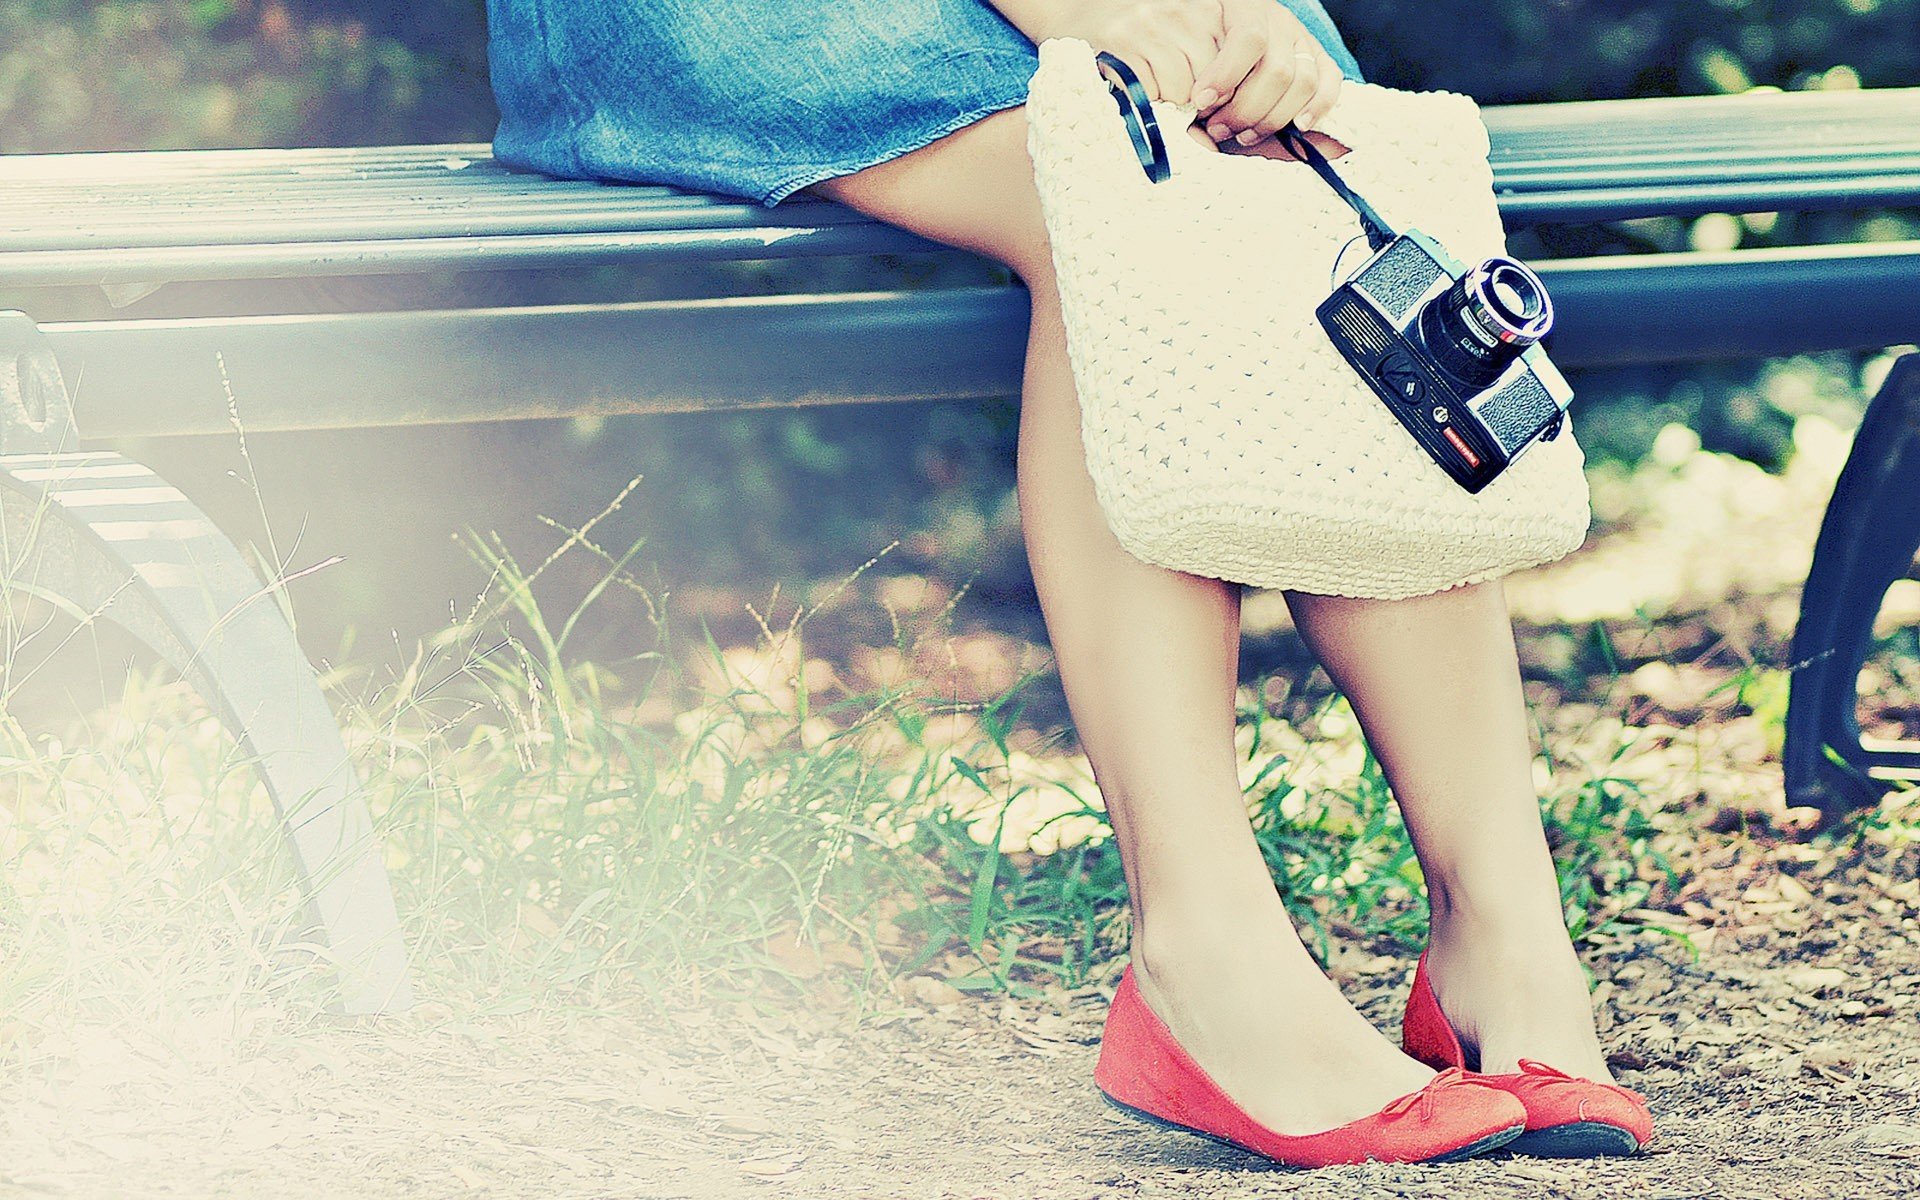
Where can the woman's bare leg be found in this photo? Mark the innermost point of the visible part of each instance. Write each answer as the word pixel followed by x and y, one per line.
pixel 1435 683
pixel 1149 661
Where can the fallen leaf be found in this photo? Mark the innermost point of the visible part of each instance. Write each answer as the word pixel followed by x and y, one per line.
pixel 936 993
pixel 1793 891
pixel 121 1149
pixel 1887 1137
pixel 656 1093
pixel 1814 979
pixel 466 1175
pixel 772 1166
pixel 262 1132
pixel 746 1123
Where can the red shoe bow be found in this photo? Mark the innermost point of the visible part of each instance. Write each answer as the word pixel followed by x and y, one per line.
pixel 1567 1116
pixel 1425 1096
pixel 1145 1072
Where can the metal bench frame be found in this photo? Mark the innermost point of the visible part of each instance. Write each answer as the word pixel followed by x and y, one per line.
pixel 103 538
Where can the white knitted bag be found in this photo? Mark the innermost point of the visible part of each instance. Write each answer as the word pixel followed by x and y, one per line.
pixel 1225 434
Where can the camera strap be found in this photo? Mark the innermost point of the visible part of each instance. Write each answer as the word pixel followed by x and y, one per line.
pixel 1379 233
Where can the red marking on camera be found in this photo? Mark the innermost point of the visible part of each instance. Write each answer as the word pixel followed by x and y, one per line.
pixel 1460 444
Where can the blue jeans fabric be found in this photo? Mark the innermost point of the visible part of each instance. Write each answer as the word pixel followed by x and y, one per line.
pixel 755 98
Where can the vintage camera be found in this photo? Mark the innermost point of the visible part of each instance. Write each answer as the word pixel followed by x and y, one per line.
pixel 1454 351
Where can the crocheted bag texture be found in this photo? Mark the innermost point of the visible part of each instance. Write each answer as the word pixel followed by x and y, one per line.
pixel 1225 434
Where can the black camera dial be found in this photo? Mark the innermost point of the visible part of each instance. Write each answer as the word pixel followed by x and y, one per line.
pixel 1400 373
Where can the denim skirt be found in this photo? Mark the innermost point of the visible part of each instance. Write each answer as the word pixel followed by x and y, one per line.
pixel 755 98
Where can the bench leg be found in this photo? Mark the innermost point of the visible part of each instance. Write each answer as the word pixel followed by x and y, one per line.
pixel 104 538
pixel 1867 540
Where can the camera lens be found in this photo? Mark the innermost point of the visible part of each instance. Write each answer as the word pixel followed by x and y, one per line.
pixel 1507 301
pixel 1486 319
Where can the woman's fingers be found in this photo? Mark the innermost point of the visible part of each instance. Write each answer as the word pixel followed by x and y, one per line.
pixel 1324 95
pixel 1293 78
pixel 1189 43
pixel 1144 70
pixel 1243 36
pixel 1173 69
pixel 1166 42
pixel 1256 96
pixel 1300 89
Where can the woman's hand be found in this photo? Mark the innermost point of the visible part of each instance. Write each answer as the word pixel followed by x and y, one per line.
pixel 1269 71
pixel 1166 42
pixel 1248 66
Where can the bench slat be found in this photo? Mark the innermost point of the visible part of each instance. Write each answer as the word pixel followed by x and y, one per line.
pixel 496 200
pixel 210 214
pixel 277 260
pixel 159 377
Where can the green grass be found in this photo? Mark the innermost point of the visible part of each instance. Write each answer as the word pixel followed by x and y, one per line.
pixel 566 834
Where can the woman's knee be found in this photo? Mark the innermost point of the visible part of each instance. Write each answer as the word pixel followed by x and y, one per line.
pixel 972 188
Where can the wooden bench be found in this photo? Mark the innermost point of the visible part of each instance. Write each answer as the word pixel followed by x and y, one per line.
pixel 104 538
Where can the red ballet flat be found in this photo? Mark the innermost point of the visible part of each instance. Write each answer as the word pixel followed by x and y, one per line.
pixel 1144 1072
pixel 1567 1116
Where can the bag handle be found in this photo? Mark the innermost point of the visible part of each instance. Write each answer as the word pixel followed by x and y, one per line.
pixel 1137 111
pixel 1150 145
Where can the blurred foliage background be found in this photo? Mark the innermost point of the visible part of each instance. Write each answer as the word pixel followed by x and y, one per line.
pixel 733 502
pixel 117 74
pixel 125 74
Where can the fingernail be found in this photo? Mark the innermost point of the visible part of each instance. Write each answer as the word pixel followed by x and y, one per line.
pixel 1205 97
pixel 1304 121
pixel 1248 137
pixel 1219 132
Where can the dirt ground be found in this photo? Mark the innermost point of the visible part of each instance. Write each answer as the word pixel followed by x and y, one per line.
pixel 1782 1062
pixel 1779 1040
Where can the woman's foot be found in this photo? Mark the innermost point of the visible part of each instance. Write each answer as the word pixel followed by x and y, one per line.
pixel 1144 1071
pixel 1512 988
pixel 1245 1000
pixel 1567 1116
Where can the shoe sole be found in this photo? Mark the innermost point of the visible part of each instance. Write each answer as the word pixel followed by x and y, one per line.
pixel 1493 1141
pixel 1577 1139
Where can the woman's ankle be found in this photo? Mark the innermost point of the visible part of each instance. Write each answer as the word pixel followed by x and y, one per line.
pixel 1517 908
pixel 1174 940
pixel 1511 943
pixel 1515 990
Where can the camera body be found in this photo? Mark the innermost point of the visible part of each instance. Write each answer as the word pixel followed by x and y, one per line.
pixel 1453 352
